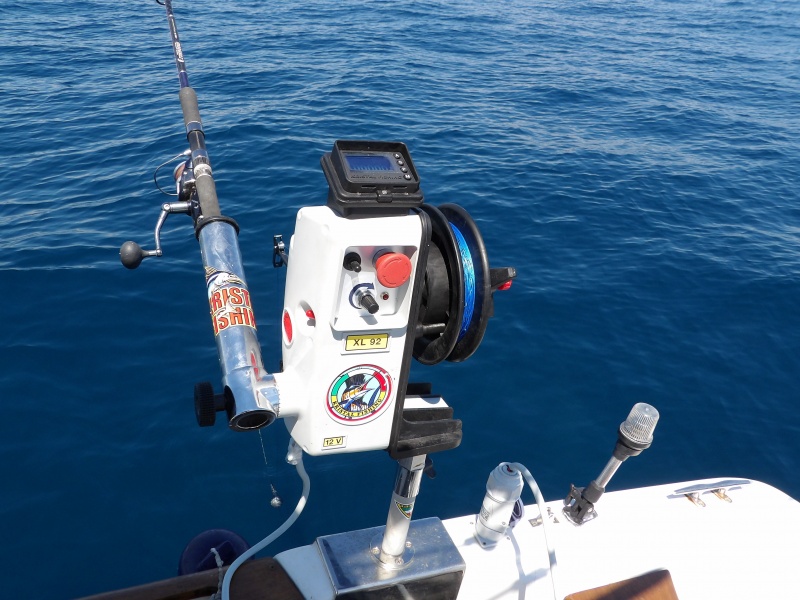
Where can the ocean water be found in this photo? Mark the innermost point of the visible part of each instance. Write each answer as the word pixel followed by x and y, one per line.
pixel 637 162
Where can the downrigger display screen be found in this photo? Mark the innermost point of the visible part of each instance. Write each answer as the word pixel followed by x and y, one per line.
pixel 366 175
pixel 361 162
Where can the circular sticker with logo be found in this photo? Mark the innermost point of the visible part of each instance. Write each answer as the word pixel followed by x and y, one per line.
pixel 359 394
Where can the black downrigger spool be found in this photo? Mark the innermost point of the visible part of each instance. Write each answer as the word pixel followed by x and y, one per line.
pixel 457 300
pixel 454 306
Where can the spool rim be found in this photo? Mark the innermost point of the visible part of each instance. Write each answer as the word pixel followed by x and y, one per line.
pixel 482 310
pixel 432 350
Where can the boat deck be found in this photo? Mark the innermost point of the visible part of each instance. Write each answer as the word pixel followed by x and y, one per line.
pixel 654 539
pixel 745 548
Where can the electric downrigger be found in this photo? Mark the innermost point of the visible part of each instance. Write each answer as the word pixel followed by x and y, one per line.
pixel 374 277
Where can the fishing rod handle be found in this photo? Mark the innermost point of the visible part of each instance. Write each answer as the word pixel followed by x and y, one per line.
pixel 204 179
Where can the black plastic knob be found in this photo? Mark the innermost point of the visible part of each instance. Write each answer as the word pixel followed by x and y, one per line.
pixel 368 302
pixel 204 404
pixel 131 255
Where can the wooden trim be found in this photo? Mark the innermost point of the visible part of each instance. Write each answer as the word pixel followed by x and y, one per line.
pixel 656 585
pixel 261 579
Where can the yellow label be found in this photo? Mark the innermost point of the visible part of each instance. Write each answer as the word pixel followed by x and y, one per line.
pixel 334 442
pixel 374 341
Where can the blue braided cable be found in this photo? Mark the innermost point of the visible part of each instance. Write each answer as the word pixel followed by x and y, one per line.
pixel 469 281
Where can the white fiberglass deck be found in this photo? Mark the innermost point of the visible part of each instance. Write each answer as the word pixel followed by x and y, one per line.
pixel 747 548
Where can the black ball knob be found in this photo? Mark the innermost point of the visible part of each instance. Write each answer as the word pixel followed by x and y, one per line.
pixel 131 255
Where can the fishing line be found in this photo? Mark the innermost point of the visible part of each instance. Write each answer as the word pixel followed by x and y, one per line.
pixel 276 500
pixel 469 281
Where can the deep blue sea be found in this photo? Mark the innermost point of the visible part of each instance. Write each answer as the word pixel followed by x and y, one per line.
pixel 636 161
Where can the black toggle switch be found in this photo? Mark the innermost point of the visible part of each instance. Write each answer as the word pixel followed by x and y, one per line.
pixel 352 262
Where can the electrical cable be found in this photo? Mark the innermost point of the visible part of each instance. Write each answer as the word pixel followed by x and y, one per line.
pixel 469 281
pixel 293 456
pixel 537 494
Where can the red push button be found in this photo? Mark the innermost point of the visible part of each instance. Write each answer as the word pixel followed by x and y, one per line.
pixel 393 269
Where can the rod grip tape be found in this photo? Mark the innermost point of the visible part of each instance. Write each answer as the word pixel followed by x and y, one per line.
pixel 207 194
pixel 191 112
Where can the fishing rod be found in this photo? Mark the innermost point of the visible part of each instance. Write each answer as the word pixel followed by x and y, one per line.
pixel 204 180
pixel 249 390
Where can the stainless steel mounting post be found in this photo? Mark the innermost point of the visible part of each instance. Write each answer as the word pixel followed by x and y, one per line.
pixel 394 550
